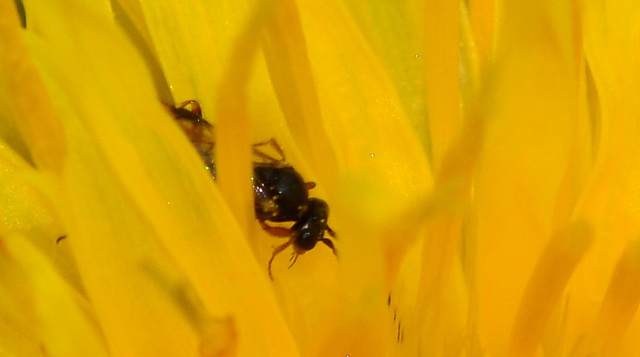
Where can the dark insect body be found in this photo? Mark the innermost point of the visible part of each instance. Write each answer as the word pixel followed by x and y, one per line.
pixel 280 192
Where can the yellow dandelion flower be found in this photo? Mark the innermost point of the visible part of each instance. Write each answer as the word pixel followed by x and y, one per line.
pixel 477 158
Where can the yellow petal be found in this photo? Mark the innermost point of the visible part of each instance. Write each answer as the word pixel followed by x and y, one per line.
pixel 42 309
pixel 369 133
pixel 533 133
pixel 611 197
pixel 482 18
pixel 549 279
pixel 442 63
pixel 30 207
pixel 23 88
pixel 619 306
pixel 396 33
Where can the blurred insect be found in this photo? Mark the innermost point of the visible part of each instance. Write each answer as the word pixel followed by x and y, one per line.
pixel 198 130
pixel 280 192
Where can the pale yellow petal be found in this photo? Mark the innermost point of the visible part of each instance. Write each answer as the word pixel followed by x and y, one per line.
pixel 395 32
pixel 362 115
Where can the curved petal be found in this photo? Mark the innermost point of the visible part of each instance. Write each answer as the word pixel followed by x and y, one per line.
pixel 610 201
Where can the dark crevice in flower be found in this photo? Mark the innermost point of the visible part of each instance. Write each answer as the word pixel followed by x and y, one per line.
pixel 593 99
pixel 21 13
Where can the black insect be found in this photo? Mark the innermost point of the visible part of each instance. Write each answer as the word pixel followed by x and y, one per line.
pixel 280 192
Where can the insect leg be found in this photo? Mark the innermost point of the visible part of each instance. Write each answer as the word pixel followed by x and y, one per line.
pixel 329 244
pixel 274 144
pixel 281 232
pixel 277 251
pixel 294 258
